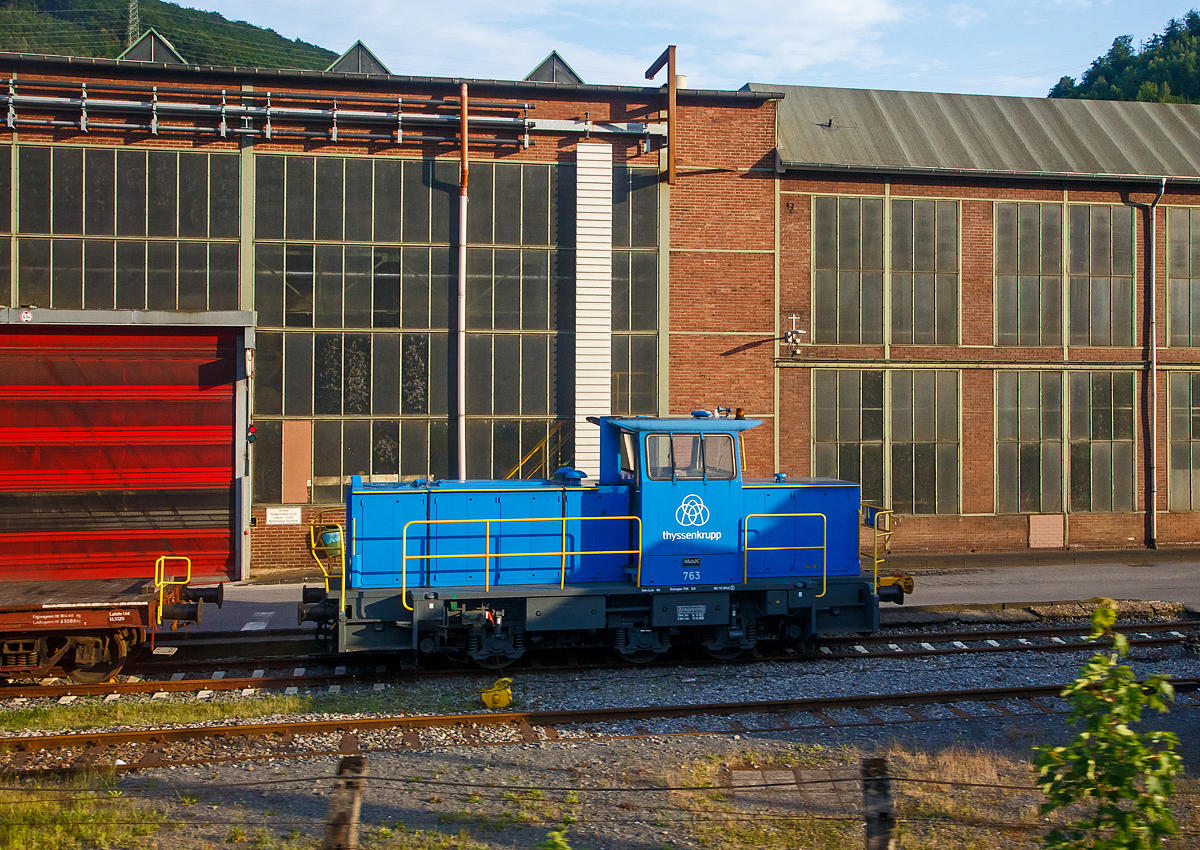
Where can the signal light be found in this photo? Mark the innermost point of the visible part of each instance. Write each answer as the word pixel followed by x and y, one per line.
pixel 250 432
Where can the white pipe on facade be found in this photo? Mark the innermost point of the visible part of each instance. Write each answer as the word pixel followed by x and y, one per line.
pixel 1152 497
pixel 462 299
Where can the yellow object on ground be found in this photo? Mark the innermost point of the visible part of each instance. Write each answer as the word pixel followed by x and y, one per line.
pixel 498 695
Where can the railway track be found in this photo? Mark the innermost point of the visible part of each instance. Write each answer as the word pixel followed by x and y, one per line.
pixel 42 755
pixel 291 673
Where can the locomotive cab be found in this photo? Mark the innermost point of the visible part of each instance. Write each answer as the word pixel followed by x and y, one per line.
pixel 685 477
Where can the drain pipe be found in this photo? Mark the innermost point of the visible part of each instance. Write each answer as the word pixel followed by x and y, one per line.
pixel 462 298
pixel 1152 501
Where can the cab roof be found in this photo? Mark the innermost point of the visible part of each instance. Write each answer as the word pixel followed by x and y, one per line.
pixel 685 424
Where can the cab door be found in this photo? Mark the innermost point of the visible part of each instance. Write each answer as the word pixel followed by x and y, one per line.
pixel 691 507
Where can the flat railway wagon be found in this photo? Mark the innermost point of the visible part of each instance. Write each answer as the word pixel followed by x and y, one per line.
pixel 671 544
pixel 86 630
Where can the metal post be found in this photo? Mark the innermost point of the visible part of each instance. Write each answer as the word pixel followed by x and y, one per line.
pixel 345 804
pixel 462 298
pixel 877 805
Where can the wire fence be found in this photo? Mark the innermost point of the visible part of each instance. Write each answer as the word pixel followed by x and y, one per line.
pixel 580 804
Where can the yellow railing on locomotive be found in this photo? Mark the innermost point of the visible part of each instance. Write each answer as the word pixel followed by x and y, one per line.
pixel 161 582
pixel 879 520
pixel 747 548
pixel 488 555
pixel 318 547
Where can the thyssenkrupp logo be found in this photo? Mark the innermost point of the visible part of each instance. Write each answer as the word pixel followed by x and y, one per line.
pixel 691 511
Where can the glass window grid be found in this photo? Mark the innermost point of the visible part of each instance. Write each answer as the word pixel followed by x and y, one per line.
pixel 1183 434
pixel 924 272
pixel 848 428
pixel 848 240
pixel 1183 277
pixel 1101 437
pixel 408 285
pixel 852 414
pixel 924 444
pixel 635 291
pixel 6 224
pixel 130 247
pixel 1029 437
pixel 1028 264
pixel 1101 275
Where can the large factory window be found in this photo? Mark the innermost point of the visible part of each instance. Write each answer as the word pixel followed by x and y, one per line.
pixel 1101 269
pixel 355 280
pixel 5 225
pixel 848 428
pixel 924 442
pixel 635 291
pixel 924 276
pixel 1183 489
pixel 1183 275
pixel 100 229
pixel 1029 450
pixel 1029 274
pixel 848 270
pixel 1101 440
pixel 920 453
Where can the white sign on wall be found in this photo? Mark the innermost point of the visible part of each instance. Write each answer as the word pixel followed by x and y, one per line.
pixel 283 516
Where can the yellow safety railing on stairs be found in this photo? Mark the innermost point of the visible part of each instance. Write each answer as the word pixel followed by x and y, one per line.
pixel 553 442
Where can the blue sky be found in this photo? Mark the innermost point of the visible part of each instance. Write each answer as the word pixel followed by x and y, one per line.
pixel 1008 47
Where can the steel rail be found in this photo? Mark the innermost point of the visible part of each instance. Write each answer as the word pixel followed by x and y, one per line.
pixel 564 717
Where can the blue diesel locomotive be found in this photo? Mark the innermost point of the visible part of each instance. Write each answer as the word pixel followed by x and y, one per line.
pixel 671 544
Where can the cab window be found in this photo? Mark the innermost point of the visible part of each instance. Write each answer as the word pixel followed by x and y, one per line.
pixel 690 457
pixel 718 457
pixel 628 453
pixel 658 457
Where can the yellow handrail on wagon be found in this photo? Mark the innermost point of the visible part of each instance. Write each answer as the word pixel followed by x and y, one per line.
pixel 879 520
pixel 747 548
pixel 317 547
pixel 487 554
pixel 161 582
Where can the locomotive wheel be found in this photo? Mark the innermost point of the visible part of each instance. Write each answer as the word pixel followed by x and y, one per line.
pixel 724 653
pixel 494 662
pixel 642 656
pixel 101 672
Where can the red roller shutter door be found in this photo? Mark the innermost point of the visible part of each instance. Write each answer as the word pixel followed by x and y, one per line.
pixel 116 447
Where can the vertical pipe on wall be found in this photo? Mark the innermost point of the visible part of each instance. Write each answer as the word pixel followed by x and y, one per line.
pixel 462 298
pixel 1152 296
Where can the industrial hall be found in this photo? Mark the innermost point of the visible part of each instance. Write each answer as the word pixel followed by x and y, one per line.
pixel 232 289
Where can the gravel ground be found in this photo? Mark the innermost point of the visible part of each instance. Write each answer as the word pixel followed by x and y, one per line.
pixel 487 791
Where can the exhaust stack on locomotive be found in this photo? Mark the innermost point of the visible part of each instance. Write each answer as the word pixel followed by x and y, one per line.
pixel 670 544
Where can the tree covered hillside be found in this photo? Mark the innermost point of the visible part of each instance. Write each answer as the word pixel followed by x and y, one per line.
pixel 98 28
pixel 1166 69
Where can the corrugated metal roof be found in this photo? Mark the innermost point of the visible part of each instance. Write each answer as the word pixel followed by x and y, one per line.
pixel 866 130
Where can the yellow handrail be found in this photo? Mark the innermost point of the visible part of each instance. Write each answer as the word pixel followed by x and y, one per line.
pixel 161 583
pixel 315 545
pixel 879 520
pixel 747 548
pixel 487 554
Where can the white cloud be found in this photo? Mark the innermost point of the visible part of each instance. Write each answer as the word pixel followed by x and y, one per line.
pixel 964 16
pixel 721 44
